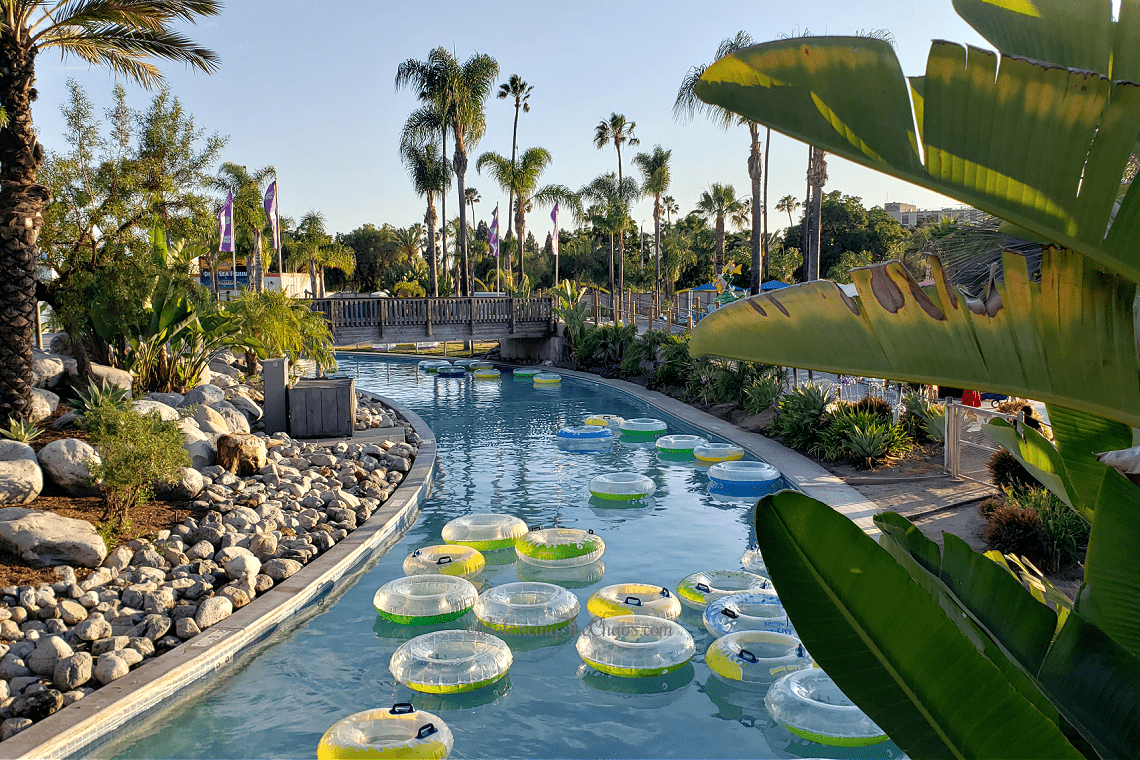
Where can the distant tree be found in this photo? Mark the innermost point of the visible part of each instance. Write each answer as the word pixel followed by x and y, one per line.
pixel 618 131
pixel 519 91
pixel 654 168
pixel 715 205
pixel 788 204
pixel 314 248
pixel 430 177
pixel 846 226
pixel 375 249
pixel 249 213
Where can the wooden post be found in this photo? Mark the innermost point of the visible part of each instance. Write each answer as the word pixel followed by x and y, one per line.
pixel 427 307
pixel 472 305
pixel 513 311
pixel 597 308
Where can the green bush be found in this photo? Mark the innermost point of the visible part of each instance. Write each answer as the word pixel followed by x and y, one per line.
pixel 644 349
pixel 926 421
pixel 801 420
pixel 875 406
pixel 137 451
pixel 764 392
pixel 988 506
pixel 605 345
pixel 1013 530
pixel 703 375
pixel 1007 472
pixel 676 363
pixel 1065 531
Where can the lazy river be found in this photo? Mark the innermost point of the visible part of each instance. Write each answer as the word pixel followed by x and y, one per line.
pixel 497 453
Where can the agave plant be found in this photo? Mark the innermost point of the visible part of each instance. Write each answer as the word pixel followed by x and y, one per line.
pixel 23 431
pixel 943 647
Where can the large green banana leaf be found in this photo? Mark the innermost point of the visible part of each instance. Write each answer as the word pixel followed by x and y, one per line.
pixel 889 645
pixel 1068 340
pixel 1033 143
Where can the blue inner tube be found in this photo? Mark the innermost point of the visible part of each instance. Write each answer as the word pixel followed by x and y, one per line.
pixel 586 433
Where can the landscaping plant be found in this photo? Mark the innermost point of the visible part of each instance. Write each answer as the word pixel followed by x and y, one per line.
pixel 23 431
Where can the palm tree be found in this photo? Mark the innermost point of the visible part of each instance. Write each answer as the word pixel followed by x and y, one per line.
pixel 617 130
pixel 611 201
pixel 122 36
pixel 816 179
pixel 655 181
pixel 313 247
pixel 430 175
pixel 457 91
pixel 688 104
pixel 669 203
pixel 515 88
pixel 249 211
pixel 472 197
pixel 716 203
pixel 409 241
pixel 788 204
pixel 520 178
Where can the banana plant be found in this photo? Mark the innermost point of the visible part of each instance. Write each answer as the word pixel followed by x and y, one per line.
pixel 944 648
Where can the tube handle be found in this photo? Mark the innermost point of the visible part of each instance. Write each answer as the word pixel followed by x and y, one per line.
pixel 747 656
pixel 729 613
pixel 444 560
pixel 633 601
pixel 703 587
pixel 402 708
pixel 426 730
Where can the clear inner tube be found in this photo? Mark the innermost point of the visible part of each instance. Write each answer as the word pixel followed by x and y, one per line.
pixel 741 473
pixel 526 607
pixel 622 486
pixel 634 599
pixel 487 373
pixel 451 662
pixel 718 452
pixel 547 379
pixel 810 704
pixel 398 731
pixel 643 428
pixel 462 561
pixel 699 589
pixel 752 660
pixel 579 576
pixel 463 362
pixel 585 433
pixel 635 646
pixel 484 532
pixel 753 561
pixel 425 599
pixel 679 444
pixel 605 420
pixel 559 547
pixel 451 371
pixel 479 364
pixel 747 612
pixel 431 366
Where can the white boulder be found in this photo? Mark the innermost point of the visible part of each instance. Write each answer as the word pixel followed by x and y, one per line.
pixel 21 479
pixel 67 463
pixel 45 539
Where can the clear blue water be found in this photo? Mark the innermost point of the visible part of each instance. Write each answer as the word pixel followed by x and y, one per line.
pixel 497 454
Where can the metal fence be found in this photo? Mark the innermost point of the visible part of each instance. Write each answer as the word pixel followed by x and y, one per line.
pixel 967 448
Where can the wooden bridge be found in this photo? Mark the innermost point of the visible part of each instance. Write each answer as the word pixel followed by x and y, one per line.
pixel 369 320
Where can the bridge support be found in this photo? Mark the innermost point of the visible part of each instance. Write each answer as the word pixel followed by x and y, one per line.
pixel 521 349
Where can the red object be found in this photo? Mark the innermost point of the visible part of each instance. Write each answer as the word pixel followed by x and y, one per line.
pixel 971 398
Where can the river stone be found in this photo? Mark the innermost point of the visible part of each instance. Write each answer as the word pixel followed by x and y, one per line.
pixel 13 726
pixel 202 453
pixel 189 485
pixel 21 479
pixel 200 550
pixel 251 410
pixel 185 628
pixel 43 539
pixel 71 611
pixel 263 546
pixel 108 645
pixel 212 611
pixel 203 394
pixel 280 569
pixel 235 420
pixel 74 671
pixel 67 463
pixel 36 706
pixel 223 381
pixel 145 406
pixel 105 376
pixel 243 566
pixel 13 666
pixel 210 421
pixel 93 629
pixel 44 404
pixel 47 370
pixel 170 399
pixel 239 597
pixel 152 627
pixel 110 667
pixel 47 655
pixel 241 453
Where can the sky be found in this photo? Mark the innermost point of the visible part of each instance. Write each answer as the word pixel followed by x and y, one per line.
pixel 308 87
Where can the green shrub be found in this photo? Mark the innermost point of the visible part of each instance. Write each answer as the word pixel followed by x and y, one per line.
pixel 763 393
pixel 868 442
pixel 97 396
pixel 21 430
pixel 644 350
pixel 1007 472
pixel 605 345
pixel 676 363
pixel 1065 530
pixel 924 420
pixel 876 406
pixel 137 451
pixel 1013 530
pixel 800 420
pixel 988 506
pixel 703 374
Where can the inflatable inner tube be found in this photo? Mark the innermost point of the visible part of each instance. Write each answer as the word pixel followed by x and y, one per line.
pixel 753 561
pixel 399 731
pixel 642 429
pixel 451 371
pixel 479 364
pixel 526 607
pixel 679 444
pixel 579 576
pixel 634 599
pixel 487 373
pixel 485 532
pixel 546 378
pixel 605 420
pixel 432 367
pixel 463 362
pixel 622 486
pixel 747 612
pixel 425 599
pixel 593 433
pixel 451 662
pixel 635 646
pixel 526 373
pixel 752 660
pixel 812 707
pixel 444 560
pixel 718 452
pixel 559 547
pixel 745 478
pixel 699 589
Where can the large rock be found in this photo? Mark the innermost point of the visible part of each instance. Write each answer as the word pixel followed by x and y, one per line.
pixel 251 410
pixel 47 655
pixel 203 394
pixel 109 376
pixel 210 421
pixel 36 706
pixel 187 487
pixel 235 420
pixel 44 404
pixel 67 462
pixel 111 666
pixel 170 399
pixel 220 367
pixel 44 539
pixel 280 569
pixel 20 477
pixel 243 566
pixel 213 611
pixel 241 453
pixel 47 370
pixel 146 406
pixel 202 453
pixel 74 671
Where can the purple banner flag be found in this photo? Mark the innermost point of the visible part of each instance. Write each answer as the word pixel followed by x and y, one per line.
pixel 271 212
pixel 495 232
pixel 226 225
pixel 554 236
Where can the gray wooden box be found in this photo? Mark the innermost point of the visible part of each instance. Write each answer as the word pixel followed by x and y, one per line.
pixel 322 408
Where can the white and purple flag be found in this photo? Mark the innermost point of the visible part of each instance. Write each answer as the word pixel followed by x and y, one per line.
pixel 226 225
pixel 271 212
pixel 554 236
pixel 495 232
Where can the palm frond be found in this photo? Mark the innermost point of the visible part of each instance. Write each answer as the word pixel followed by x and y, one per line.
pixel 124 48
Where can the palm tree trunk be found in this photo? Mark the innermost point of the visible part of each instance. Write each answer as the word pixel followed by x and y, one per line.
pixel 756 173
pixel 313 278
pixel 463 286
pixel 520 234
pixel 620 237
pixel 657 242
pixel 764 252
pixel 718 253
pixel 257 262
pixel 443 208
pixel 214 274
pixel 613 306
pixel 429 222
pixel 22 202
pixel 514 150
pixel 814 234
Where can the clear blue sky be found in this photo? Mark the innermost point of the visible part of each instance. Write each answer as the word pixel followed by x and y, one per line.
pixel 308 88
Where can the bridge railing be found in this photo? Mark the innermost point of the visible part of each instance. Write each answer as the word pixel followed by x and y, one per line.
pixel 427 313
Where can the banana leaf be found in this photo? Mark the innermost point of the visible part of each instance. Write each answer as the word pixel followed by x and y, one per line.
pixel 1033 143
pixel 1068 340
pixel 889 645
pixel 1041 459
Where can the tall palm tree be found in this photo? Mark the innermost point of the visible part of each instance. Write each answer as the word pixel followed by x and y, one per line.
pixel 617 130
pixel 249 211
pixel 515 88
pixel 687 104
pixel 430 175
pixel 669 203
pixel 816 179
pixel 521 179
pixel 458 91
pixel 471 195
pixel 654 168
pixel 788 204
pixel 716 204
pixel 409 241
pixel 122 36
pixel 313 246
pixel 610 202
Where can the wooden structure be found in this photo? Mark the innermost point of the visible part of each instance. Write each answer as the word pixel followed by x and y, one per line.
pixel 322 408
pixel 370 320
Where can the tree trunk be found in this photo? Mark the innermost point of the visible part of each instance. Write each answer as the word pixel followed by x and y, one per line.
pixel 429 222
pixel 613 305
pixel 22 203
pixel 520 233
pixel 463 287
pixel 258 269
pixel 756 173
pixel 313 278
pixel 214 274
pixel 657 242
pixel 764 244
pixel 514 150
pixel 807 216
pixel 443 208
pixel 718 253
pixel 817 177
